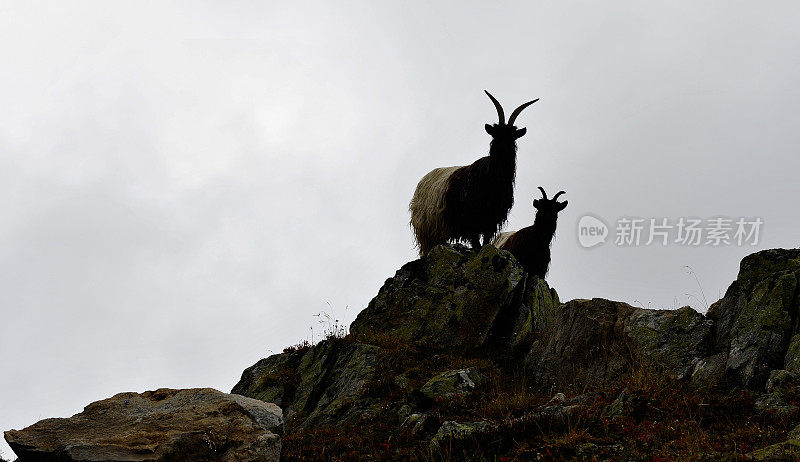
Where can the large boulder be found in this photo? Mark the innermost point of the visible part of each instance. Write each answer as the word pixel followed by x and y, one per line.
pixel 673 341
pixel 323 384
pixel 755 320
pixel 272 379
pixel 594 342
pixel 586 345
pixel 458 300
pixel 161 425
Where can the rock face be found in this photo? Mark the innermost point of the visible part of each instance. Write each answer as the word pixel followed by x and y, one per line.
pixel 748 334
pixel 455 300
pixel 322 384
pixel 586 344
pixel 597 341
pixel 161 425
pixel 755 320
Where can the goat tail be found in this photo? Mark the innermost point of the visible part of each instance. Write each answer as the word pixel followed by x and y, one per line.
pixel 427 209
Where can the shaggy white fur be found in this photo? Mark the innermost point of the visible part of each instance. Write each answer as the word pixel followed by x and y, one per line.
pixel 427 207
pixel 502 238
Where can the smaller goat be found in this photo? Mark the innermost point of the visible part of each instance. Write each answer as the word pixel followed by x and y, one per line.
pixel 531 245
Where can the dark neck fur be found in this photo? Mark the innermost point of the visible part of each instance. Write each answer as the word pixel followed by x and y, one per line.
pixel 544 226
pixel 503 156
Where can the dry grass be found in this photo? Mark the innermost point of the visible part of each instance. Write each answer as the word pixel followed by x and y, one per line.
pixel 670 421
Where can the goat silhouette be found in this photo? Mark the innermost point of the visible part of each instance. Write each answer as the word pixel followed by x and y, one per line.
pixel 531 245
pixel 472 201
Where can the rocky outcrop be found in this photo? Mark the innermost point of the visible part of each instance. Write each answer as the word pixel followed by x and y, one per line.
pixel 454 301
pixel 161 425
pixel 586 344
pixel 453 356
pixel 457 300
pixel 756 319
pixel 747 335
pixel 320 385
pixel 594 342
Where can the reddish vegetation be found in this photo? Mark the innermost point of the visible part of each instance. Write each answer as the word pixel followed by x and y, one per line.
pixel 666 421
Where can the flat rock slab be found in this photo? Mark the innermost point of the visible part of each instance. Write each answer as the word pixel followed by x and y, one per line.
pixel 160 425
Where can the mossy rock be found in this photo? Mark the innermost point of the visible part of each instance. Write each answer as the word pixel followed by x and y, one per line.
pixel 791 361
pixel 324 384
pixel 788 450
pixel 760 266
pixel 456 300
pixel 672 341
pixel 273 379
pixel 756 319
pixel 457 441
pixel 585 345
pixel 452 383
pixel 761 333
pixel 782 383
pixel 539 306
pixel 598 341
pixel 774 407
pixel 709 372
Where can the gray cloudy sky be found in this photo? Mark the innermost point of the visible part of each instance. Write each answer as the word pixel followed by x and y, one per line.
pixel 187 184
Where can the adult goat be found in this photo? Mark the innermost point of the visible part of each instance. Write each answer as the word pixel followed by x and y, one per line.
pixel 472 201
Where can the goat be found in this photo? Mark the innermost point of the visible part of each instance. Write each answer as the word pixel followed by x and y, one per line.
pixel 531 245
pixel 467 202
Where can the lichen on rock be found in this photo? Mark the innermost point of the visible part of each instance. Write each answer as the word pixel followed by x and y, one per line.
pixel 160 425
pixel 672 340
pixel 454 300
pixel 452 383
pixel 755 320
pixel 324 384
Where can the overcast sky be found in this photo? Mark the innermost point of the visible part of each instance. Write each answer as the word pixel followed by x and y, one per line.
pixel 185 185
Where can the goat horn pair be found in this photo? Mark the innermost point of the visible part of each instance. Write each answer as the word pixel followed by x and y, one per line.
pixel 544 194
pixel 501 115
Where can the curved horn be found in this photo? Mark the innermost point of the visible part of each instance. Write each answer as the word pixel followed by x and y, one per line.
pixel 518 110
pixel 497 106
pixel 558 194
pixel 544 194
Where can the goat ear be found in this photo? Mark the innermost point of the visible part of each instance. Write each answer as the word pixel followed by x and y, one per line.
pixel 562 205
pixel 520 133
pixel 536 203
pixel 489 129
